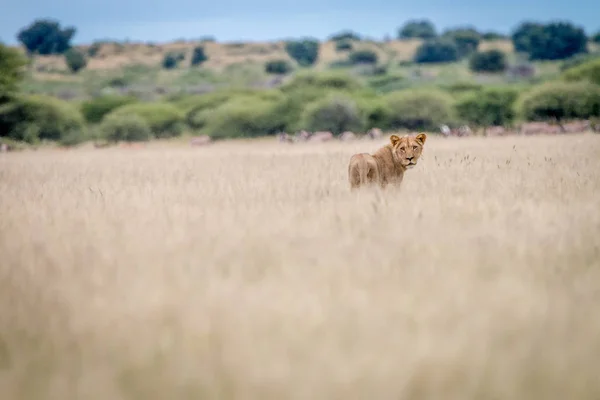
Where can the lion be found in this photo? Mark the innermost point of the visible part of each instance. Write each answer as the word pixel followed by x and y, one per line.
pixel 388 164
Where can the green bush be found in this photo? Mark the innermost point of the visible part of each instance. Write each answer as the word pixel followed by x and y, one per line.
pixel 488 61
pixel 241 118
pixel 94 49
pixel 415 28
pixel 363 57
pixel 419 109
pixel 561 100
pixel 335 113
pixel 95 109
pixel 277 67
pixel 459 88
pixel 45 37
pixel 345 36
pixel 329 80
pixel 127 128
pixel 375 110
pixel 172 59
pixel 304 51
pixel 387 83
pixel 588 71
pixel 343 45
pixel 553 41
pixel 488 107
pixel 198 56
pixel 12 68
pixel 75 60
pixel 466 39
pixel 437 51
pixel 164 119
pixel 34 117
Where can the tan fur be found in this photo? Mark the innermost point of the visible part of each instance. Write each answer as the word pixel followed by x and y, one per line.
pixel 388 164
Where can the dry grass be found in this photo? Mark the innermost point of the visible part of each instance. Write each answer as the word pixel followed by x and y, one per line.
pixel 221 55
pixel 251 272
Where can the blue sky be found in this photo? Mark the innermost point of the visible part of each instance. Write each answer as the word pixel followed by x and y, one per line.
pixel 237 20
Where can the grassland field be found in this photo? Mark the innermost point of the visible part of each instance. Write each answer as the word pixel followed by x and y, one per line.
pixel 248 270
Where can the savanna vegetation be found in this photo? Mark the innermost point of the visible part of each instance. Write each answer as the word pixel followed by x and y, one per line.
pixel 248 270
pixel 228 90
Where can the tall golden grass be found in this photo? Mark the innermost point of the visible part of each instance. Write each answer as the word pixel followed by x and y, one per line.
pixel 251 271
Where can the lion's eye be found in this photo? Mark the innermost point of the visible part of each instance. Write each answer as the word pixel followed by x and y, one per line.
pixel 414 147
pixel 403 148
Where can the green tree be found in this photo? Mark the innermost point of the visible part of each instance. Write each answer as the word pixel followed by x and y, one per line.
pixel 488 61
pixel 596 37
pixel 198 56
pixel 553 41
pixel 419 109
pixel 127 128
pixel 561 100
pixel 488 107
pixel 466 39
pixel 75 60
pixel 335 114
pixel 304 51
pixel 436 51
pixel 12 69
pixel 171 59
pixel 345 35
pixel 45 36
pixel 421 29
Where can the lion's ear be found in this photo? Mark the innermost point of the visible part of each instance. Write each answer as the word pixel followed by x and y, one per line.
pixel 421 137
pixel 394 139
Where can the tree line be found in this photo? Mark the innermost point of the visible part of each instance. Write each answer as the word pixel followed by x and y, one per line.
pixel 551 41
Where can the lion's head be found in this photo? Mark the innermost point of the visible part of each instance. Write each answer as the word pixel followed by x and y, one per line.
pixel 407 149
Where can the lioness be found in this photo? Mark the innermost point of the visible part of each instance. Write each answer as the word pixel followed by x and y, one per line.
pixel 386 165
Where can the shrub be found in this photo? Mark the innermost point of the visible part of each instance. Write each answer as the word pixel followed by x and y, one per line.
pixel 34 117
pixel 335 113
pixel 45 37
pixel 11 70
pixel 589 71
pixel 323 80
pixel 488 61
pixel 277 67
pixel 375 110
pixel 127 128
pixel 345 36
pixel 596 37
pixel 343 45
pixel 459 88
pixel 171 59
pixel 561 100
pixel 363 57
pixel 94 49
pixel 305 51
pixel 75 60
pixel 488 107
pixel 553 41
pixel 437 51
pixel 419 109
pixel 164 119
pixel 422 29
pixel 387 82
pixel 198 56
pixel 466 39
pixel 95 109
pixel 241 118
